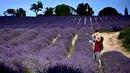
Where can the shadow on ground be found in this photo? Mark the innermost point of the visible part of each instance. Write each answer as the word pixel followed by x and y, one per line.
pixel 62 69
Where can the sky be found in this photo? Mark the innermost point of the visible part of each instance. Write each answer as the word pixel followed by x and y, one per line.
pixel 97 5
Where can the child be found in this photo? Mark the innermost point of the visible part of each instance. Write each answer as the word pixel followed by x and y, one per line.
pixel 93 37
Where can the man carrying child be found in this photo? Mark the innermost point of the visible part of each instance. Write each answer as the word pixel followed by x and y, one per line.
pixel 97 41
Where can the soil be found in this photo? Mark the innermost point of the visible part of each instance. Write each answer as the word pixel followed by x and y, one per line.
pixel 112 43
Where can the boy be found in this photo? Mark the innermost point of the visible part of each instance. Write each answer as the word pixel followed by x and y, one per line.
pixel 93 37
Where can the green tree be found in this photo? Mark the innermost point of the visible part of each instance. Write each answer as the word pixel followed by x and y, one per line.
pixel 80 9
pixel 84 9
pixel 11 12
pixel 108 11
pixel 49 11
pixel 63 10
pixel 20 12
pixel 36 7
pixel 126 11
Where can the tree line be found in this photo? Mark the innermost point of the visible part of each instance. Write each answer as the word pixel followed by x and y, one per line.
pixel 83 9
pixel 15 12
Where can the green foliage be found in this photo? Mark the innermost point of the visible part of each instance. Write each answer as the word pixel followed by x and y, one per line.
pixel 27 70
pixel 84 9
pixel 20 12
pixel 15 12
pixel 108 11
pixel 125 36
pixel 63 10
pixel 11 12
pixel 36 7
pixel 49 11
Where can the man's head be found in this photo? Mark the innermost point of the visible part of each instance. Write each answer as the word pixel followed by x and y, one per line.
pixel 96 32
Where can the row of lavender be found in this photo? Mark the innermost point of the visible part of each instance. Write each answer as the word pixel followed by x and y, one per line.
pixel 34 49
pixel 104 22
pixel 115 62
pixel 17 48
pixel 59 19
pixel 81 57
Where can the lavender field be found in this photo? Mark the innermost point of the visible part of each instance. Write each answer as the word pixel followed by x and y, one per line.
pixel 57 44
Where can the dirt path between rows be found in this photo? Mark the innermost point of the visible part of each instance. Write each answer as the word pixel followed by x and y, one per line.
pixel 112 43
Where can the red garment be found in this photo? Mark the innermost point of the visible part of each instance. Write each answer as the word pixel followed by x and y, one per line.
pixel 97 47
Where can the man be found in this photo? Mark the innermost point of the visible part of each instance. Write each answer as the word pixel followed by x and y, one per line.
pixel 98 48
pixel 97 42
pixel 96 52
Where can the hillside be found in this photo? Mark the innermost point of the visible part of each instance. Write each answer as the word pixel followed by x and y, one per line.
pixel 60 44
